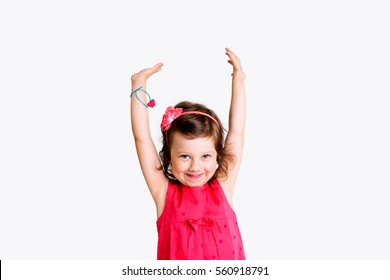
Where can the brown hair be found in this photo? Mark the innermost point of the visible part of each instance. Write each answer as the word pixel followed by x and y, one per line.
pixel 193 126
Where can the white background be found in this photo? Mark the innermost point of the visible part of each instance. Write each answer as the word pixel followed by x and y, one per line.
pixel 314 182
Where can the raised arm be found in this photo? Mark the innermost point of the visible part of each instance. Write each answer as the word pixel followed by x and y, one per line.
pixel 146 150
pixel 237 118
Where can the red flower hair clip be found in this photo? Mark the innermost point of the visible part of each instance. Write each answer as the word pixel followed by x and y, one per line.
pixel 170 115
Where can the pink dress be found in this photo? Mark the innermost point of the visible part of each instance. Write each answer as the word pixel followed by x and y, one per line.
pixel 198 224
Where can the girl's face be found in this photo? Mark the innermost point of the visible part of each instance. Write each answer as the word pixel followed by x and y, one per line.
pixel 194 161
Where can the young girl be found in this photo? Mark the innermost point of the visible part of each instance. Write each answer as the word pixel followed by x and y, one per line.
pixel 193 177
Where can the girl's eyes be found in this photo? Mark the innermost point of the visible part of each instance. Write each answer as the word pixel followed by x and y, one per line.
pixel 187 156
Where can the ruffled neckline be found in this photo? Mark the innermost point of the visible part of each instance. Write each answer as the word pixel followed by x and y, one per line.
pixel 207 184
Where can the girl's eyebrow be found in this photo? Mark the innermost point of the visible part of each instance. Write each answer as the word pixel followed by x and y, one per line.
pixel 206 152
pixel 182 152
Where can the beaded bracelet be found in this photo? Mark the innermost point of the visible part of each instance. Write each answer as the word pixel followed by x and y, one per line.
pixel 151 102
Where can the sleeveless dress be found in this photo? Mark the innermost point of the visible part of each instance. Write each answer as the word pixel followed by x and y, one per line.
pixel 198 223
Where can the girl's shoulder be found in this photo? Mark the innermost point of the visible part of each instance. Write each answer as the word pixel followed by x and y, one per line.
pixel 226 189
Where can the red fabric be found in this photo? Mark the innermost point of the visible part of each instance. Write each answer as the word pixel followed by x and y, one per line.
pixel 198 224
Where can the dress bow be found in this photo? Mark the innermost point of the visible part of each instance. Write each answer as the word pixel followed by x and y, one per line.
pixel 200 223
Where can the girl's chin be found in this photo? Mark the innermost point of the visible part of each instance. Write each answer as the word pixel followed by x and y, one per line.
pixel 195 180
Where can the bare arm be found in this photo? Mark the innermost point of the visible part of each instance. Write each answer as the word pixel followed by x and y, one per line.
pixel 146 150
pixel 237 119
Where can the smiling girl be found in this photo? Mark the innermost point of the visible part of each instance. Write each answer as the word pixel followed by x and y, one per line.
pixel 192 178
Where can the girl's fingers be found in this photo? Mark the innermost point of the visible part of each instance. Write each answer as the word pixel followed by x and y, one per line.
pixel 229 52
pixel 154 69
pixel 233 59
pixel 147 72
pixel 158 66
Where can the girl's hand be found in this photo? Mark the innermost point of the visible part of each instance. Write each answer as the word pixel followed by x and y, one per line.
pixel 144 74
pixel 235 62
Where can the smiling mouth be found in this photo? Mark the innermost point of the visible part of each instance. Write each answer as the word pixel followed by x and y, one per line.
pixel 194 176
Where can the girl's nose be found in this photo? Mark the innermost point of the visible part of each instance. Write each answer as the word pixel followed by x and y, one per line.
pixel 194 166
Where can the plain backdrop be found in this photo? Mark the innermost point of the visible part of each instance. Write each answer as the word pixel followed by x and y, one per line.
pixel 314 182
